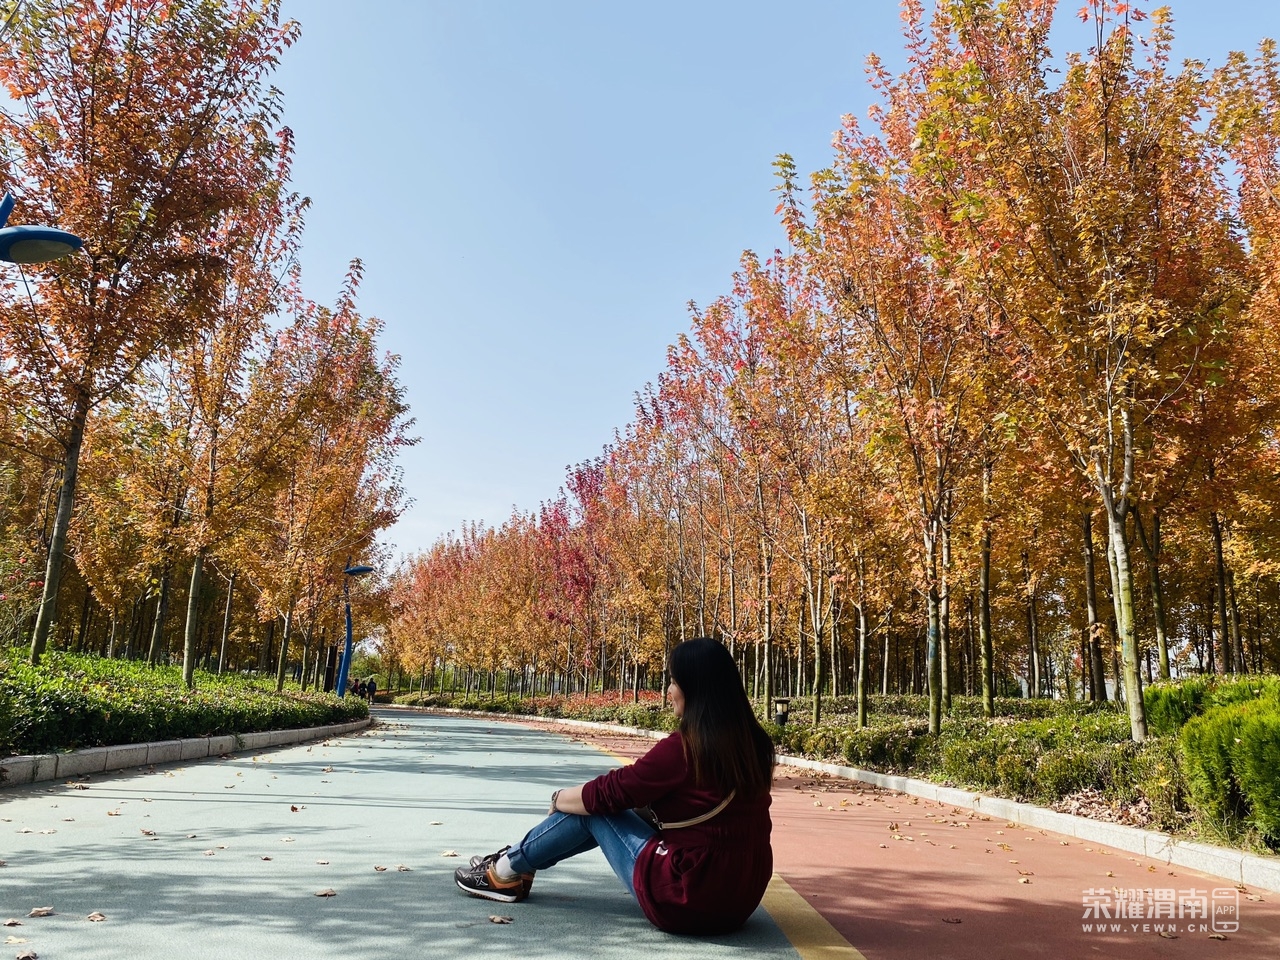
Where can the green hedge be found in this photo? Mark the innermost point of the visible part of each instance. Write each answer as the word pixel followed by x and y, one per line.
pixel 1231 755
pixel 1171 704
pixel 75 701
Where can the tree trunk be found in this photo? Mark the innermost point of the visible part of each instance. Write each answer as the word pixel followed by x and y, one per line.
pixel 1093 631
pixel 863 641
pixel 226 626
pixel 162 612
pixel 1034 685
pixel 933 662
pixel 284 648
pixel 1224 635
pixel 944 618
pixel 189 633
pixel 61 524
pixel 984 614
pixel 1151 548
pixel 1233 609
pixel 1122 593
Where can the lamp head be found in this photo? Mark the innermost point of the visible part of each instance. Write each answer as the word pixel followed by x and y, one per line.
pixel 357 571
pixel 32 244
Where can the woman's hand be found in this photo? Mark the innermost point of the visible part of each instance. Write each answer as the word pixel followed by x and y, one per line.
pixel 568 800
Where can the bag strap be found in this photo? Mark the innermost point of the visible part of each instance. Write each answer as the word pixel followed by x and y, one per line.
pixel 681 824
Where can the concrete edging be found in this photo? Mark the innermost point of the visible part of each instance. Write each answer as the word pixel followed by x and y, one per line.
pixel 1236 866
pixel 18 771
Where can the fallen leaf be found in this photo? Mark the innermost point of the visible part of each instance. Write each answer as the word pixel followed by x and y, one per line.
pixel 266 858
pixel 1024 879
pixel 380 869
pixel 326 769
pixel 449 853
pixel 1218 936
pixel 286 839
pixel 327 892
pixel 884 846
pixel 436 823
pixel 1167 935
pixel 323 863
pixel 208 853
pixel 28 955
pixel 497 919
pixel 191 836
pixel 402 868
pixel 12 923
pixel 68 819
pixel 1026 873
pixel 96 917
pixel 1254 896
pixel 113 813
pixel 41 912
pixel 1110 874
pixel 951 920
pixel 15 939
pixel 148 833
pixel 293 809
pixel 50 830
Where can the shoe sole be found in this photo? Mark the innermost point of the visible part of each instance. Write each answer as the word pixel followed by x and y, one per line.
pixel 489 894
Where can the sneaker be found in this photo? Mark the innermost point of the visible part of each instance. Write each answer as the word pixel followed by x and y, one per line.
pixel 490 859
pixel 482 881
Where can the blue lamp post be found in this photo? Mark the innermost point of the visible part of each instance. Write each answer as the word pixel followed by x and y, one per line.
pixel 346 600
pixel 32 244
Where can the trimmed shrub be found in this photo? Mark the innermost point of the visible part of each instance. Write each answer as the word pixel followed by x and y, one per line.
pixel 1256 765
pixel 1170 704
pixel 1208 742
pixel 893 747
pixel 1157 775
pixel 1244 690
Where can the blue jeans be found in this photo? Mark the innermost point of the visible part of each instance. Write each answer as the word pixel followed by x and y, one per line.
pixel 620 837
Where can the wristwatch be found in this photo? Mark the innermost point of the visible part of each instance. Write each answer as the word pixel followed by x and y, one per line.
pixel 552 808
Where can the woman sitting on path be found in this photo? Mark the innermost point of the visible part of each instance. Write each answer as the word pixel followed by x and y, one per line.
pixel 704 868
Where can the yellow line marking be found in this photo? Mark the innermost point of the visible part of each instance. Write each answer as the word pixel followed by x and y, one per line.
pixel 808 930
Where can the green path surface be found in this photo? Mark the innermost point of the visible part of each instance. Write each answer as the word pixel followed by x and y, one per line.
pixel 182 869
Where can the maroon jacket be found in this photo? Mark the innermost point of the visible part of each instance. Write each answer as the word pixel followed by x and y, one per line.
pixel 703 879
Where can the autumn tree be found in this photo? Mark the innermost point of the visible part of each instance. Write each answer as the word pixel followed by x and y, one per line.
pixel 131 129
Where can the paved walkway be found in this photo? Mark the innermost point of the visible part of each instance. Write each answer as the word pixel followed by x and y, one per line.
pixel 222 859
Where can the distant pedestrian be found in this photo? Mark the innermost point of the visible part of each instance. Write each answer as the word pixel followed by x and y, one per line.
pixel 702 863
pixel 361 690
pixel 371 688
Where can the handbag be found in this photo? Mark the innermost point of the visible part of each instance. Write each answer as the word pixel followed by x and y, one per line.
pixel 648 816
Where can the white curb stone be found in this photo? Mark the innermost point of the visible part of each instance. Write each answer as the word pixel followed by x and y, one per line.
pixel 16 771
pixel 81 762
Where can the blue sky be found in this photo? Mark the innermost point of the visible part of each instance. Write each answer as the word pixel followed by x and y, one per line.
pixel 537 190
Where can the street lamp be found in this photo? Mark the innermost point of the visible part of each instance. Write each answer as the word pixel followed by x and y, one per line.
pixel 32 244
pixel 346 600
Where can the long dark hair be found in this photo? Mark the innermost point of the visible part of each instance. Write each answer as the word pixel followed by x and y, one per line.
pixel 723 742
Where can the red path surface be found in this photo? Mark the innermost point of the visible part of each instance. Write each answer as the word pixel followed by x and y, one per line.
pixel 950 884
